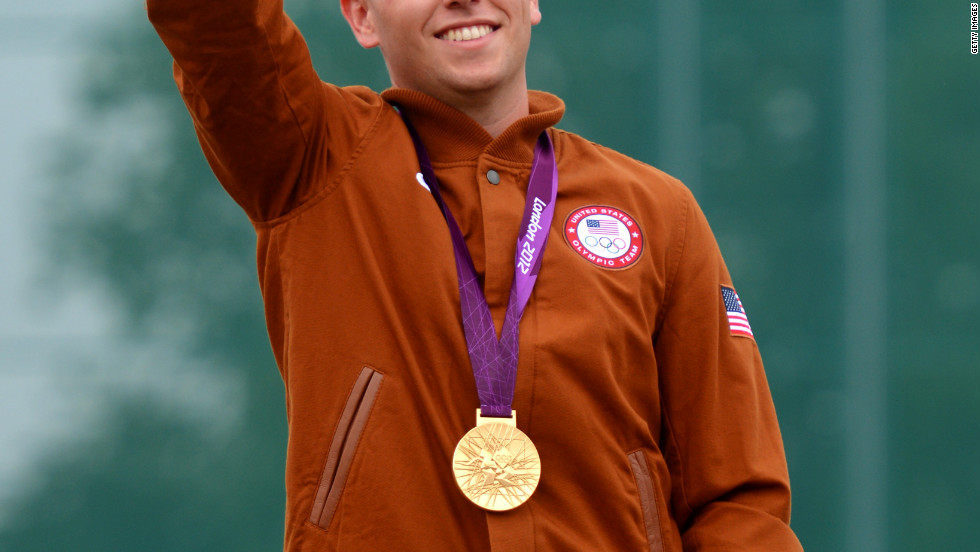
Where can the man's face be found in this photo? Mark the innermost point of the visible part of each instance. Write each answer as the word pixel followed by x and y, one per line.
pixel 448 48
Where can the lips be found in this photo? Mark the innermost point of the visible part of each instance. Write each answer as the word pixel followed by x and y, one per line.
pixel 462 34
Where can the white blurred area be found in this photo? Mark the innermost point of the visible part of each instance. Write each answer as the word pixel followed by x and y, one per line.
pixel 62 355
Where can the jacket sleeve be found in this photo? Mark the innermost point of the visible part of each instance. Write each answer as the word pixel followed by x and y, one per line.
pixel 729 480
pixel 268 126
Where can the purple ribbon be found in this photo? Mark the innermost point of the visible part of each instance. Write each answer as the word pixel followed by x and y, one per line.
pixel 494 361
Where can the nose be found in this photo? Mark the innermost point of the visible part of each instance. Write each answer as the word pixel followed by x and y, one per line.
pixel 458 3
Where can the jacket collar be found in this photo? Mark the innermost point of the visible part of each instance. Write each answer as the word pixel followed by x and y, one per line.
pixel 450 135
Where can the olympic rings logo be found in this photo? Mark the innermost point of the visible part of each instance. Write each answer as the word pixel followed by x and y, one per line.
pixel 613 246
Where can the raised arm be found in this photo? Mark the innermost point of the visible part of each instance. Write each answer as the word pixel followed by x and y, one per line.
pixel 269 127
pixel 730 486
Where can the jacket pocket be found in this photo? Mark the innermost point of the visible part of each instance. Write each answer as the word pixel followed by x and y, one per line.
pixel 646 486
pixel 345 439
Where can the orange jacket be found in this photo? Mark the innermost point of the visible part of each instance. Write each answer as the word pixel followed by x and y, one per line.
pixel 653 421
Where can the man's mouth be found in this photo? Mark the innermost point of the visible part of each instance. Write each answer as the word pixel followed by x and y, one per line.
pixel 467 33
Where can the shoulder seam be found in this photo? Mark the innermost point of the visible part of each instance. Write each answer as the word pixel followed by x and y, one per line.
pixel 332 181
pixel 674 259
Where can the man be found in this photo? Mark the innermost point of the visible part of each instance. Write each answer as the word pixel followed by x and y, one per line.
pixel 441 250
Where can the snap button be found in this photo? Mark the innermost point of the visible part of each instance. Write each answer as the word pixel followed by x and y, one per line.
pixel 493 177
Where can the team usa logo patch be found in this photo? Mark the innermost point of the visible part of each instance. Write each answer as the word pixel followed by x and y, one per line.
pixel 604 236
pixel 738 322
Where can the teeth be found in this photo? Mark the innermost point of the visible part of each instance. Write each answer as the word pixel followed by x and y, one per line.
pixel 467 33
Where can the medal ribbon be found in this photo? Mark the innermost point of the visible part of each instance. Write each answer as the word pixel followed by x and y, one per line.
pixel 494 361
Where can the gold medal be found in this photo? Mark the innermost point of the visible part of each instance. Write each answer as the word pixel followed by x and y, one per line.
pixel 496 465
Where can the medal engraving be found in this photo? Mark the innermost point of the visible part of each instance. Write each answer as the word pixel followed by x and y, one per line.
pixel 496 465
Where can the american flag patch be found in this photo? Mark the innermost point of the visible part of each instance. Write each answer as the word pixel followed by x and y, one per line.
pixel 738 323
pixel 601 227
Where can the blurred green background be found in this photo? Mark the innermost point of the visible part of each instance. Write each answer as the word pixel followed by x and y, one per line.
pixel 834 147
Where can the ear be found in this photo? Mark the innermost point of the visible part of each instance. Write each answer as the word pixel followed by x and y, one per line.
pixel 535 12
pixel 360 18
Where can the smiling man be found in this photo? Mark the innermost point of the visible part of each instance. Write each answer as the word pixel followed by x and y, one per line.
pixel 471 57
pixel 493 334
